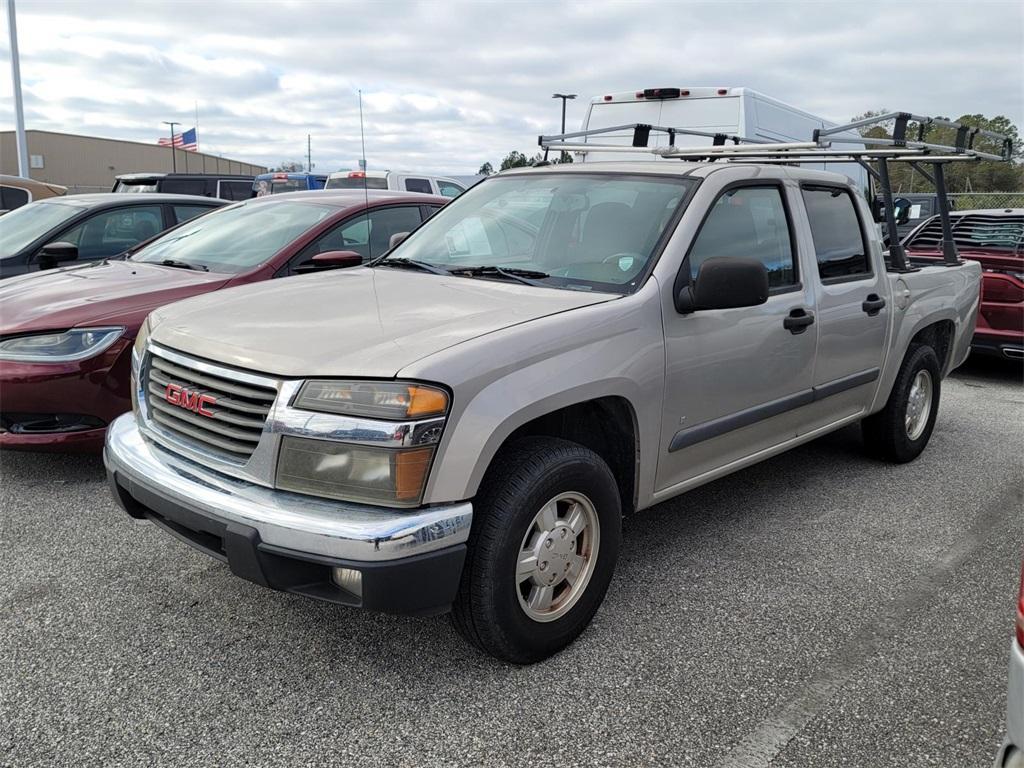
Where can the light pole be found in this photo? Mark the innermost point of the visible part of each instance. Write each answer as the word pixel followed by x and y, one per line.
pixel 174 158
pixel 564 97
pixel 19 111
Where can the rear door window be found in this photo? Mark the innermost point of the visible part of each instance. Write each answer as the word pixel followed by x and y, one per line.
pixel 418 185
pixel 109 233
pixel 748 223
pixel 839 244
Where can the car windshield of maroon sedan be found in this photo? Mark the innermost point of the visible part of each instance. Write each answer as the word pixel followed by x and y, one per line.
pixel 235 238
pixel 23 225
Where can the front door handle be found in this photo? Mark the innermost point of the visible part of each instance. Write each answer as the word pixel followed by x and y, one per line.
pixel 873 304
pixel 798 320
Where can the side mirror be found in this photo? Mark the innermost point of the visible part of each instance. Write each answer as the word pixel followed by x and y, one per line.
pixel 52 254
pixel 725 283
pixel 334 260
pixel 396 239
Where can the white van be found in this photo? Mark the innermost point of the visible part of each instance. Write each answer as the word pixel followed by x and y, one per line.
pixel 409 182
pixel 728 111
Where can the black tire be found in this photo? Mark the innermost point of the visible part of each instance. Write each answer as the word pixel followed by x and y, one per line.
pixel 523 478
pixel 885 433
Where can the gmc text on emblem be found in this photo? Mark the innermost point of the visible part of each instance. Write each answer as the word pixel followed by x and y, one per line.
pixel 187 398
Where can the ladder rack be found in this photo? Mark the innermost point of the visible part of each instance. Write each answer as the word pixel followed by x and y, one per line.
pixel 880 151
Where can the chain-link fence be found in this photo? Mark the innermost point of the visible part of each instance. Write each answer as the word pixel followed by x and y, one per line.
pixel 967 201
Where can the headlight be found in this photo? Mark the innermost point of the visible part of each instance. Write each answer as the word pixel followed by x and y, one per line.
pixel 390 400
pixel 395 474
pixel 352 472
pixel 64 347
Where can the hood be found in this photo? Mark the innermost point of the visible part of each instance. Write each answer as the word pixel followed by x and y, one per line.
pixel 353 322
pixel 93 293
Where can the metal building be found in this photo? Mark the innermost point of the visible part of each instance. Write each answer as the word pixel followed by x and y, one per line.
pixel 90 163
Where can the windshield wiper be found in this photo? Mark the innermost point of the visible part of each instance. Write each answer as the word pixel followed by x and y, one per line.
pixel 401 262
pixel 525 276
pixel 183 265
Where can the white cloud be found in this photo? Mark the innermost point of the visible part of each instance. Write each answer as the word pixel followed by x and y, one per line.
pixel 447 86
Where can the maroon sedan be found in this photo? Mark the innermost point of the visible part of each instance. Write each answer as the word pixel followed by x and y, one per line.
pixel 66 336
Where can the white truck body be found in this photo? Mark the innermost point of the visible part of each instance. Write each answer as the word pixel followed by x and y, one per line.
pixel 715 109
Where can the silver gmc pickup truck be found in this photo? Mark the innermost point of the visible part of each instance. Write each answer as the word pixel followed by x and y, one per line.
pixel 462 424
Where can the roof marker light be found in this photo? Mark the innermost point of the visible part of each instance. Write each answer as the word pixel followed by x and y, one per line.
pixel 607 98
pixel 722 91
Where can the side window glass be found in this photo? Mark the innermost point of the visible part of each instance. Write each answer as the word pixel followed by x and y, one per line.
pixel 186 212
pixel 183 186
pixel 748 223
pixel 112 232
pixel 12 197
pixel 236 190
pixel 418 185
pixel 447 189
pixel 367 235
pixel 835 228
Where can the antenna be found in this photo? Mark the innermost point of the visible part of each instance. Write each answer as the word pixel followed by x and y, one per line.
pixel 366 194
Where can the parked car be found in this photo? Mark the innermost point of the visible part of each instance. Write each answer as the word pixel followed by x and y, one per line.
pixel 404 180
pixel 16 191
pixel 1011 755
pixel 463 424
pixel 226 186
pixel 61 231
pixel 995 239
pixel 278 182
pixel 66 337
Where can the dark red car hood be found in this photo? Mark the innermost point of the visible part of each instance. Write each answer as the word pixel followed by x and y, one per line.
pixel 114 292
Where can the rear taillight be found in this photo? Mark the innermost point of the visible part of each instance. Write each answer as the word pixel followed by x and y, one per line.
pixel 1020 610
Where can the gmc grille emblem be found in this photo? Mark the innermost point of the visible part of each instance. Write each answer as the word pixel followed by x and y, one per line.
pixel 189 399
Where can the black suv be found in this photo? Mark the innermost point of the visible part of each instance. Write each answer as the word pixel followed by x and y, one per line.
pixel 225 186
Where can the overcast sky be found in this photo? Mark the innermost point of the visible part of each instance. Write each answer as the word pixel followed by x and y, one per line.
pixel 448 86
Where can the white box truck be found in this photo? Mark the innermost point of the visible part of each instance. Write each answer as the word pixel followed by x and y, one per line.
pixel 712 110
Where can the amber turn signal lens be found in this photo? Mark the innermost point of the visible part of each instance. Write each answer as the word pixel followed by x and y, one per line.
pixel 411 473
pixel 426 401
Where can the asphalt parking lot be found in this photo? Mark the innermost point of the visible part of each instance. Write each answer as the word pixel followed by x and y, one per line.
pixel 820 609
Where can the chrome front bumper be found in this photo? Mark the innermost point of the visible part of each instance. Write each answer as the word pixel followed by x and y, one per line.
pixel 286 521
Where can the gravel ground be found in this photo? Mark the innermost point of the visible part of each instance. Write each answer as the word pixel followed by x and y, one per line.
pixel 819 609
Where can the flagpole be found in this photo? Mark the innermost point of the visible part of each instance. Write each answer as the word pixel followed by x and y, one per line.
pixel 174 157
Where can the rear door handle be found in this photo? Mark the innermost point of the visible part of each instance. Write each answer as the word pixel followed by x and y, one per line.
pixel 873 304
pixel 798 320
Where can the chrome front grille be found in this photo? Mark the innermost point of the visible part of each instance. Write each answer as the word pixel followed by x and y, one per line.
pixel 217 413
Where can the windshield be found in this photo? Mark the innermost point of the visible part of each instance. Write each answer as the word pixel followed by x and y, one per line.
pixel 235 238
pixel 570 230
pixel 356 182
pixel 23 225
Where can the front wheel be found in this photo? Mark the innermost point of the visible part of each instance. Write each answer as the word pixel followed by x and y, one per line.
pixel 900 431
pixel 545 538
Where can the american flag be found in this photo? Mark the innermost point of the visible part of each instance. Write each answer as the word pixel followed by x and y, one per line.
pixel 185 140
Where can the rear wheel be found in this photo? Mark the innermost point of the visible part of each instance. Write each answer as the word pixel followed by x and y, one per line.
pixel 545 538
pixel 901 430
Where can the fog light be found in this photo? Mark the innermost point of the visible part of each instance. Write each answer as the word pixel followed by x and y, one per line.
pixel 349 580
